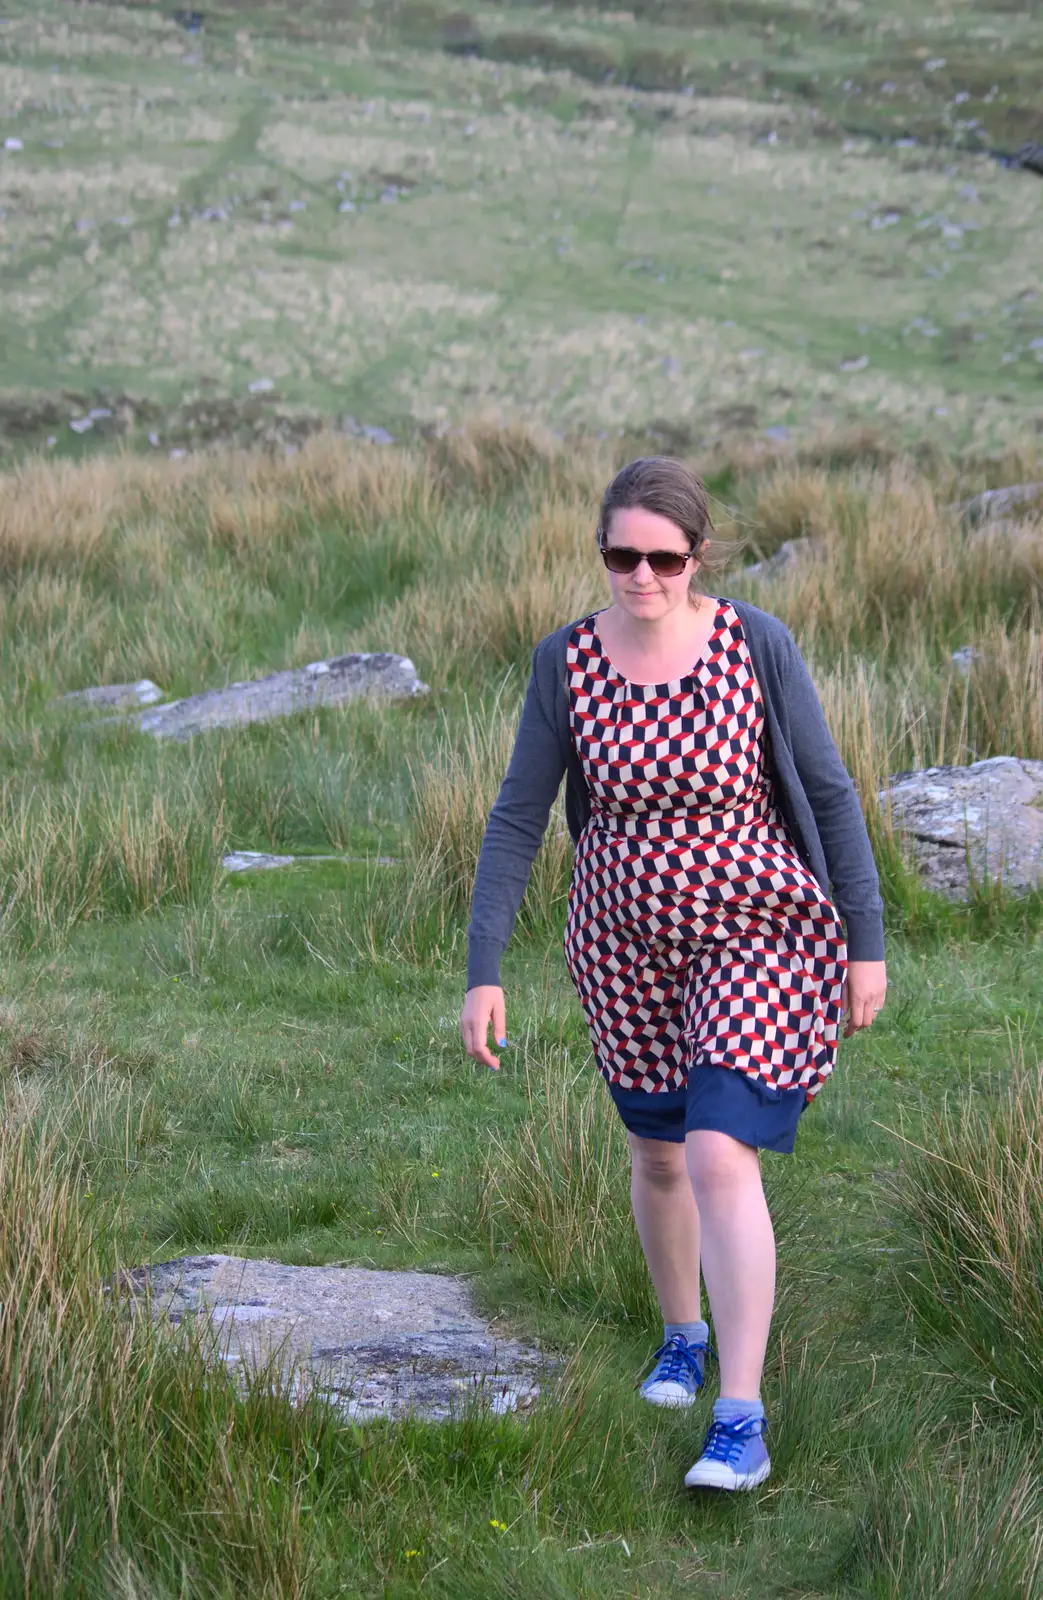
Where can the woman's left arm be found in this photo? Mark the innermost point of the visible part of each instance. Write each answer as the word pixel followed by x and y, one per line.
pixel 845 842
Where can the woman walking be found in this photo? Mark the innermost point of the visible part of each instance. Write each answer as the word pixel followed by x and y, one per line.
pixel 719 843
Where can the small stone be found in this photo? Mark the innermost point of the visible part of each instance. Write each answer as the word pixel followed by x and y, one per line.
pixel 81 424
pixel 12 143
pixel 261 385
pixel 854 363
pixel 965 658
pixel 116 696
pixel 787 556
pixel 254 861
pixel 997 503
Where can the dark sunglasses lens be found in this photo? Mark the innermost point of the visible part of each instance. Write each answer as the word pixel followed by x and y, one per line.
pixel 663 562
pixel 621 560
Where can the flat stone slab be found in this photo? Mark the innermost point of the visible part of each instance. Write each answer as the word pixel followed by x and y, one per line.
pixel 990 812
pixel 321 683
pixel 375 1344
pixel 1014 499
pixel 115 696
pixel 261 861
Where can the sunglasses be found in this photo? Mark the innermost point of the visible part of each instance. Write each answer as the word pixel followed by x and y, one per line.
pixel 664 563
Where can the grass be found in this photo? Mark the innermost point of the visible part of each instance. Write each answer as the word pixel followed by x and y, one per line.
pixel 395 215
pixel 271 1065
pixel 529 242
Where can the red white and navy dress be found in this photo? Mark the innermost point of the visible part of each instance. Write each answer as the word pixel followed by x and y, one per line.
pixel 696 936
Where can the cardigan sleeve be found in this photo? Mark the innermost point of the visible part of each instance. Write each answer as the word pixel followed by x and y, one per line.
pixel 837 811
pixel 513 834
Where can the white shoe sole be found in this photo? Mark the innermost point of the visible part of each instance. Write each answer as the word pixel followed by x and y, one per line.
pixel 675 1401
pixel 718 1475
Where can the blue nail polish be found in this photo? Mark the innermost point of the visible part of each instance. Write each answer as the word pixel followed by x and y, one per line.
pixel 502 1043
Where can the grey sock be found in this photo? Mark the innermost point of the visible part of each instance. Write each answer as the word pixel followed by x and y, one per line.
pixel 725 1410
pixel 694 1332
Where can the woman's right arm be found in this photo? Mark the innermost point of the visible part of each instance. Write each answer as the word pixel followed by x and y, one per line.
pixel 513 834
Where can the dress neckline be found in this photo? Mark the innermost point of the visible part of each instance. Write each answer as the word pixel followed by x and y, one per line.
pixel 671 684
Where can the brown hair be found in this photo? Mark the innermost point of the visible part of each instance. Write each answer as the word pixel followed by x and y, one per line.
pixel 673 490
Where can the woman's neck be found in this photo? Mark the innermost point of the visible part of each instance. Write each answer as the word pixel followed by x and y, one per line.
pixel 660 635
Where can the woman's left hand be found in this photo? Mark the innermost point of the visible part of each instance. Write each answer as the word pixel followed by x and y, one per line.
pixel 862 995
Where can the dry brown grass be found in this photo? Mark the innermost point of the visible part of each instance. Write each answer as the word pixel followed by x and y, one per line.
pixel 453 792
pixel 493 529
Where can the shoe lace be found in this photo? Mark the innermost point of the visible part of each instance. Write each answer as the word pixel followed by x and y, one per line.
pixel 677 1360
pixel 725 1440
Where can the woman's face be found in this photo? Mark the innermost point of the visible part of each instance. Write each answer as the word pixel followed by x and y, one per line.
pixel 642 593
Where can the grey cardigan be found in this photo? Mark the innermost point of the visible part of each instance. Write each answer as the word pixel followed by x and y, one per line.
pixel 812 788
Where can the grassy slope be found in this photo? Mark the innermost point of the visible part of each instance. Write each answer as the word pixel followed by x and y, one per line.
pixel 275 1068
pixel 551 245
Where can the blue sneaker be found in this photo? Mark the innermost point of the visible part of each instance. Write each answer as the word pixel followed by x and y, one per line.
pixel 733 1456
pixel 678 1373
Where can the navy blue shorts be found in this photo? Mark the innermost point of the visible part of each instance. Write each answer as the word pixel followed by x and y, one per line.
pixel 718 1098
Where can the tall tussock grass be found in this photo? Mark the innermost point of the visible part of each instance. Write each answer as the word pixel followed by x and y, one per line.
pixel 418 912
pixel 126 1465
pixel 461 550
pixel 971 1195
pixel 558 1196
pixel 961 1518
pixel 67 855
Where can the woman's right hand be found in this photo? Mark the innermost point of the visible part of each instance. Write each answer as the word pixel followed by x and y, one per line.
pixel 483 1005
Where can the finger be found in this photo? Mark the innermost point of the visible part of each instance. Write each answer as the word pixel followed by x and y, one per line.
pixel 480 1051
pixel 500 1021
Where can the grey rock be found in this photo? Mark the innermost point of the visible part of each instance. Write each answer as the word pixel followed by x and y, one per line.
pixel 985 819
pixel 116 696
pixel 995 503
pixel 258 861
pixel 373 1344
pixel 787 556
pixel 1030 158
pixel 328 683
pixel 261 861
pixel 966 657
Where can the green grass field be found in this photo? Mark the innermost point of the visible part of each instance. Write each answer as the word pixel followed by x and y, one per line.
pixel 497 234
pixel 271 1065
pixel 688 218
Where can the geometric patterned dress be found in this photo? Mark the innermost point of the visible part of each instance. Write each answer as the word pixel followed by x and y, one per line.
pixel 695 933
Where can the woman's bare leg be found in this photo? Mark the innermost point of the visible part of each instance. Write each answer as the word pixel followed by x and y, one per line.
pixel 738 1255
pixel 667 1224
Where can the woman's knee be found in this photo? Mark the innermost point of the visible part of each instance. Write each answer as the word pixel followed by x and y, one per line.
pixel 658 1162
pixel 717 1162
